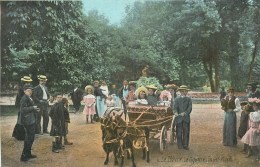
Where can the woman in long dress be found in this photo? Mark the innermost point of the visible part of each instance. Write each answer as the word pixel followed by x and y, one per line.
pixel 231 105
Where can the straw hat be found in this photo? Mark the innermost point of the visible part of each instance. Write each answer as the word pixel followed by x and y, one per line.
pixel 89 87
pixel 183 87
pixel 26 79
pixel 171 86
pixel 42 77
pixel 151 87
pixel 141 89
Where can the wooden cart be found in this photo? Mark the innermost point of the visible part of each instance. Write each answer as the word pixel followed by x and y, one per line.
pixel 158 119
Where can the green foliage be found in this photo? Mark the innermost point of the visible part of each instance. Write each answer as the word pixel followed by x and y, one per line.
pixel 145 81
pixel 185 42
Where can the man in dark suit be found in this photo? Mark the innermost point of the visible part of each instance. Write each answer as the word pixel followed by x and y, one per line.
pixel 40 97
pixel 28 119
pixel 76 97
pixel 18 131
pixel 182 108
pixel 123 92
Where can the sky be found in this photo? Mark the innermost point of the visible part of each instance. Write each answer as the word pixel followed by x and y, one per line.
pixel 111 9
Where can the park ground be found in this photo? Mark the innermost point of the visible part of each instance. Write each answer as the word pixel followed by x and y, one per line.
pixel 206 147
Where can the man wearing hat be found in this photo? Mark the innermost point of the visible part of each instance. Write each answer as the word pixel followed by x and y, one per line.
pixel 41 96
pixel 252 90
pixel 18 131
pixel 28 119
pixel 182 108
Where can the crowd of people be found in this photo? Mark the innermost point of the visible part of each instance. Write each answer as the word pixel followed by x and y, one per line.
pixel 33 103
pixel 249 127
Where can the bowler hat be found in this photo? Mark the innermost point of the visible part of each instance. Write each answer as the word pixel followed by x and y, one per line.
pixel 26 79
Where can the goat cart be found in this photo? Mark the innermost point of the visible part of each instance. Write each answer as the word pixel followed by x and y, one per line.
pixel 157 119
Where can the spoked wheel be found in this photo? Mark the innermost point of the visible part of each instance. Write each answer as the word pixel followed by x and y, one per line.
pixel 172 132
pixel 163 139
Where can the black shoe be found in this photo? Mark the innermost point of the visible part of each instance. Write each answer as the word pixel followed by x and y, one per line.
pixel 186 148
pixel 32 156
pixel 24 158
pixel 55 151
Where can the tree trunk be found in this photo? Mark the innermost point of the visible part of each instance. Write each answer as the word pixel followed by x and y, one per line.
pixel 234 62
pixel 208 68
pixel 252 61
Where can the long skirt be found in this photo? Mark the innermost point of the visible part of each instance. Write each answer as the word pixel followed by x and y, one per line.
pixel 229 129
pixel 100 102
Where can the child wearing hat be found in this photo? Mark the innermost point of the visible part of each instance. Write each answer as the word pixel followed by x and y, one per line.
pixel 89 100
pixel 141 94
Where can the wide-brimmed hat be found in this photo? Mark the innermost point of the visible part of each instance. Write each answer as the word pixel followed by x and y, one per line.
pixel 42 77
pixel 141 89
pixel 89 87
pixel 183 87
pixel 28 87
pixel 171 86
pixel 26 79
pixel 151 87
pixel 257 102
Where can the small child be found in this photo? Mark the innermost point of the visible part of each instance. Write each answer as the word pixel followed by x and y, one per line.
pixel 243 127
pixel 252 136
pixel 110 101
pixel 165 102
pixel 89 101
pixel 66 120
pixel 57 126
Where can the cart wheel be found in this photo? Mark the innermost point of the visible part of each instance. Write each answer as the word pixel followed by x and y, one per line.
pixel 172 133
pixel 163 139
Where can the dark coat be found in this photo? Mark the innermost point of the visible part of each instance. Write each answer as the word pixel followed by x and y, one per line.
pixel 76 96
pixel 182 105
pixel 66 115
pixel 28 113
pixel 98 92
pixel 243 127
pixel 152 100
pixel 38 93
pixel 113 91
pixel 19 97
pixel 57 116
pixel 120 91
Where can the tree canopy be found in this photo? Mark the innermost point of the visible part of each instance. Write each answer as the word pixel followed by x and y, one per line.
pixel 197 43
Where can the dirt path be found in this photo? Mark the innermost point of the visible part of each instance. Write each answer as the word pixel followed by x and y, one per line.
pixel 205 145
